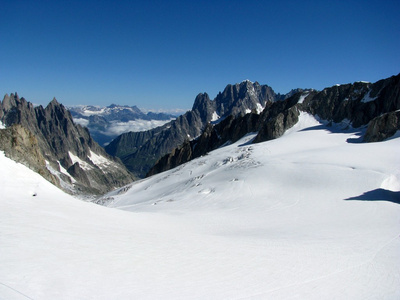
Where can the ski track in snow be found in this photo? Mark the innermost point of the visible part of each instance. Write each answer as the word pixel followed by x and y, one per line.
pixel 246 221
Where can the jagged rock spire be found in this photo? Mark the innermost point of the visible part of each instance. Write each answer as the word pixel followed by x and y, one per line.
pixel 58 138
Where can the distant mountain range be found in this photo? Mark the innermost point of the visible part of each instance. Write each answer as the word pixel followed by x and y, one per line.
pixel 49 141
pixel 106 123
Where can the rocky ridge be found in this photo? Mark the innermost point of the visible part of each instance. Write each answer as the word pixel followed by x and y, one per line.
pixel 139 151
pixel 21 145
pixel 49 142
pixel 72 159
pixel 372 107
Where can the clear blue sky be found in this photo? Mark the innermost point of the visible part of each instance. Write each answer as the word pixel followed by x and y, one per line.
pixel 161 54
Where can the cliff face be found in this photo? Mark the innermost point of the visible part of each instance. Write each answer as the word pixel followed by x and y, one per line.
pixel 358 103
pixel 372 105
pixel 21 145
pixel 383 127
pixel 62 144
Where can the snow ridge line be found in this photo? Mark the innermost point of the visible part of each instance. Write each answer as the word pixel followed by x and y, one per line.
pixel 16 291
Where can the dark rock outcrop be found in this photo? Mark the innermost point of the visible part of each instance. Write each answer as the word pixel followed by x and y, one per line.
pixel 358 103
pixel 240 99
pixel 383 127
pixel 61 143
pixel 79 174
pixel 139 151
pixel 276 118
pixel 374 105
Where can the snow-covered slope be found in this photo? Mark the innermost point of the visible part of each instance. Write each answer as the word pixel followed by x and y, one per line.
pixel 305 216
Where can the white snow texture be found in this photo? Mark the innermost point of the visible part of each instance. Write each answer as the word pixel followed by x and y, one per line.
pixel 305 216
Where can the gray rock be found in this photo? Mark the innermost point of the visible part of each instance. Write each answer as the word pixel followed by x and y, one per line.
pixel 277 118
pixel 360 103
pixel 21 145
pixel 139 151
pixel 383 127
pixel 57 136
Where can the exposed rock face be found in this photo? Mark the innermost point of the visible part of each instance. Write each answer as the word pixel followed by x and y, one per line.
pixel 238 110
pixel 63 143
pixel 79 174
pixel 140 150
pixel 376 105
pixel 276 118
pixel 383 127
pixel 240 99
pixel 359 102
pixel 21 145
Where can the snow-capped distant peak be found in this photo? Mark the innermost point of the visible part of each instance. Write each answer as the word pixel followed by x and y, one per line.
pixel 90 110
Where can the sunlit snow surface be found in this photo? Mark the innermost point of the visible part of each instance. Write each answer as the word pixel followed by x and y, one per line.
pixel 306 216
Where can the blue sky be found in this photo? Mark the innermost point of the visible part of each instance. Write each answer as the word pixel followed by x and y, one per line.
pixel 161 54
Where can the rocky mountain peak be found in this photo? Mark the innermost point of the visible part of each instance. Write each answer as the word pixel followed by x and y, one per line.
pixel 54 102
pixel 200 99
pixel 241 98
pixel 204 106
pixel 140 150
pixel 62 143
pixel 10 101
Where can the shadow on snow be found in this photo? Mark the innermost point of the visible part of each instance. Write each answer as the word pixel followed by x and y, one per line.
pixel 340 128
pixel 378 195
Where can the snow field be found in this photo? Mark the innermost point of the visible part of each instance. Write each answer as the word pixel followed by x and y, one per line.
pixel 275 220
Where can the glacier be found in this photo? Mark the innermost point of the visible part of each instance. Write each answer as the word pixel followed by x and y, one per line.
pixel 308 215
